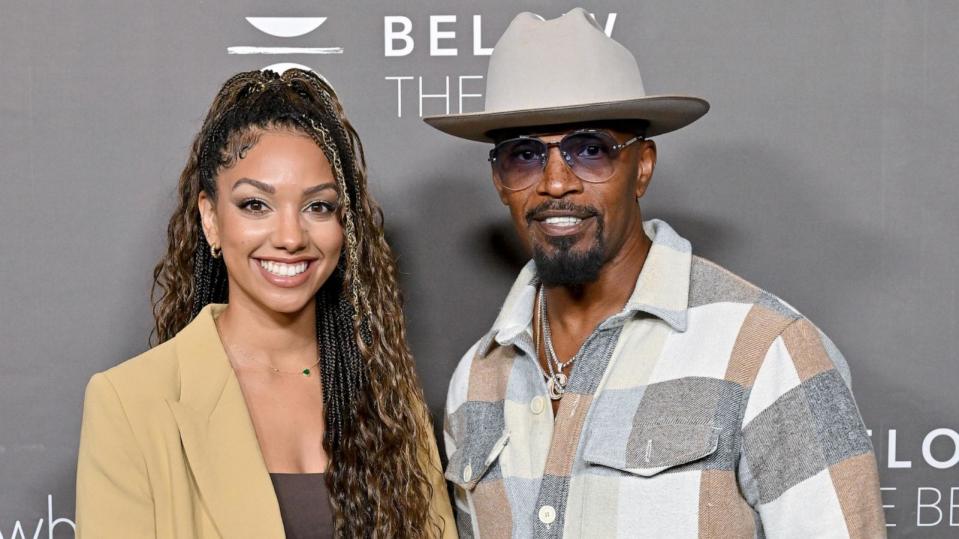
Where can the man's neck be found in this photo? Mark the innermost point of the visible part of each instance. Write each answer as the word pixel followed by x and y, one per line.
pixel 579 309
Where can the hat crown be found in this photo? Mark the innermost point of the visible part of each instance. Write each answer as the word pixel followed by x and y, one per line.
pixel 561 62
pixel 562 71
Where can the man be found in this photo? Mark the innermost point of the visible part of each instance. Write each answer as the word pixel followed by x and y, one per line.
pixel 629 388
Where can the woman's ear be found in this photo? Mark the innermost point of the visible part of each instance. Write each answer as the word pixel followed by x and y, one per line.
pixel 208 219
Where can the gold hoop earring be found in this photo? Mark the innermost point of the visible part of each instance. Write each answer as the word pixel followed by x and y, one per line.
pixel 215 251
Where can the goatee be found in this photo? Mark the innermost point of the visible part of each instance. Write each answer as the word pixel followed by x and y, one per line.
pixel 565 267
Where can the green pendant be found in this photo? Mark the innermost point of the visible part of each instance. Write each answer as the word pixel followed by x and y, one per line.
pixel 306 372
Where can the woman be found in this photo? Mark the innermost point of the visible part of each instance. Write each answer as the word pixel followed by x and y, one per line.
pixel 282 399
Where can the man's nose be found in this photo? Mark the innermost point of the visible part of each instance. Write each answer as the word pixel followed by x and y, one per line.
pixel 558 179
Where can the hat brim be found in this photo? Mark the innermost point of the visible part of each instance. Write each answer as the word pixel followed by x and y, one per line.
pixel 664 113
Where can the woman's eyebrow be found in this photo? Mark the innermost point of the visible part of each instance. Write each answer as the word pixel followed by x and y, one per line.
pixel 317 188
pixel 270 189
pixel 255 183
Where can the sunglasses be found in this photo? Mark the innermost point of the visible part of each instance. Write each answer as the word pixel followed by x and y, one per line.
pixel 591 154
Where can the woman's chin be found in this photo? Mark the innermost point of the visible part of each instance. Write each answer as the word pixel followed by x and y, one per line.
pixel 286 303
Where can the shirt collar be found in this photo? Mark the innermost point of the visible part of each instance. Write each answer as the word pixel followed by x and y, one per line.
pixel 662 289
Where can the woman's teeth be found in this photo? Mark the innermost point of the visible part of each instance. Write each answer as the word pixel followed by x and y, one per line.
pixel 284 270
pixel 562 221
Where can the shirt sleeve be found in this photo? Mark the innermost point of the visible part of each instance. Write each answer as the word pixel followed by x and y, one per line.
pixel 113 490
pixel 807 466
pixel 464 520
pixel 455 398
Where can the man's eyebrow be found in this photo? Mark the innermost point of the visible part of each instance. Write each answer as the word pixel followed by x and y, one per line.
pixel 255 183
pixel 317 188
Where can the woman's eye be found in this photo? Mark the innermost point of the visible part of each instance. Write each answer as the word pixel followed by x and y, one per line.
pixel 253 205
pixel 321 206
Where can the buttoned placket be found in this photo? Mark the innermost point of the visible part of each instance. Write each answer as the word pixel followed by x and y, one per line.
pixel 524 343
pixel 549 517
pixel 550 509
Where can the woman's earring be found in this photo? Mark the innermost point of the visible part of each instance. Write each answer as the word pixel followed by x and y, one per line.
pixel 215 251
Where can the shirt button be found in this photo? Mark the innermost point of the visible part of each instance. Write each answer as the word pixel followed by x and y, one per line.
pixel 537 405
pixel 547 514
pixel 467 473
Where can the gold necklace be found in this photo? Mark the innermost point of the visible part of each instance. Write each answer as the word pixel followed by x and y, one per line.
pixel 305 372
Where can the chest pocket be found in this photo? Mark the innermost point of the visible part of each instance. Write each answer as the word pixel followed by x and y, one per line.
pixel 647 450
pixel 473 460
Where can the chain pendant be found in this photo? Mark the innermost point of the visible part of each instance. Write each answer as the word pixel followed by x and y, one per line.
pixel 556 386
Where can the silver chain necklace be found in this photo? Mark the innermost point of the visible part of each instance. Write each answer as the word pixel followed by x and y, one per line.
pixel 555 381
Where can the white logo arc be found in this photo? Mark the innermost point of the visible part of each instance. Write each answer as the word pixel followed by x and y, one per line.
pixel 286 26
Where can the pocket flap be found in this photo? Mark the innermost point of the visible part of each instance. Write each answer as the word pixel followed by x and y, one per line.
pixel 647 450
pixel 470 461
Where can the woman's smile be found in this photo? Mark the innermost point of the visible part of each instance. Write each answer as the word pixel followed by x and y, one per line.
pixel 285 274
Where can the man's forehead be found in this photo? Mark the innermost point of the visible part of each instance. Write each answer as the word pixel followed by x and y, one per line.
pixel 631 127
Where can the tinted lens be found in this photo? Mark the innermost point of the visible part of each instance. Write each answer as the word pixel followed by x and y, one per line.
pixel 591 155
pixel 519 161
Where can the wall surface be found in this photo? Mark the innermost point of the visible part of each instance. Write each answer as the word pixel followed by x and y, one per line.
pixel 825 172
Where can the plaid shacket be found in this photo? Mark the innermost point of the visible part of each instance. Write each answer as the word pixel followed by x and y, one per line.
pixel 706 408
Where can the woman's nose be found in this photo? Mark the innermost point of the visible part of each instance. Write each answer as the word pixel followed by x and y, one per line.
pixel 289 233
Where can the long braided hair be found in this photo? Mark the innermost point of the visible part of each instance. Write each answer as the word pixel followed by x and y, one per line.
pixel 377 427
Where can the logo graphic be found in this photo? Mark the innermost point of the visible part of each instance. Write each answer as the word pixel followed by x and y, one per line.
pixel 285 27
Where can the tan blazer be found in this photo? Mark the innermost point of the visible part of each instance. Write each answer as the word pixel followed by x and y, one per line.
pixel 167 449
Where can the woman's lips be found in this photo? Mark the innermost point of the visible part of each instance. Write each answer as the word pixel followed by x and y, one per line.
pixel 285 281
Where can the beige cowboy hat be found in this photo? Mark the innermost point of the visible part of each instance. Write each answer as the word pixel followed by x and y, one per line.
pixel 565 70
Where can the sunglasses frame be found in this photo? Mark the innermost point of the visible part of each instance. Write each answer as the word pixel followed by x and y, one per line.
pixel 615 150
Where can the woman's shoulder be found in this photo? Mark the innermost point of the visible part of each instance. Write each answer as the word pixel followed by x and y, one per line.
pixel 151 377
pixel 151 380
pixel 156 372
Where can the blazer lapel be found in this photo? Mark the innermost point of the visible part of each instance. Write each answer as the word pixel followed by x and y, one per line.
pixel 218 436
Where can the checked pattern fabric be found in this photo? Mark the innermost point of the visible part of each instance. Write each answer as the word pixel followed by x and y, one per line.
pixel 706 408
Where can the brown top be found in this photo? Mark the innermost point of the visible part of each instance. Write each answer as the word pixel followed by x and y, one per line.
pixel 304 505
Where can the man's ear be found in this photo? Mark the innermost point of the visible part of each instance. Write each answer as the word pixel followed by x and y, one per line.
pixel 647 163
pixel 208 219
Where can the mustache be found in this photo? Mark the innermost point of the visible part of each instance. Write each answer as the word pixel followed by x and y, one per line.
pixel 581 211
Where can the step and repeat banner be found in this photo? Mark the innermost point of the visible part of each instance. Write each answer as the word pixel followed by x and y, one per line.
pixel 826 172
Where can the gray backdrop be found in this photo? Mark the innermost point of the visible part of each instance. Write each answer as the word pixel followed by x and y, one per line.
pixel 825 173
